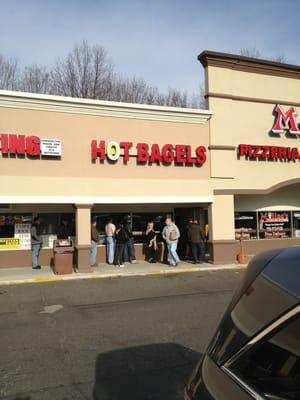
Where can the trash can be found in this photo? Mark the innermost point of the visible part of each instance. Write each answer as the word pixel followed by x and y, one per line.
pixel 63 250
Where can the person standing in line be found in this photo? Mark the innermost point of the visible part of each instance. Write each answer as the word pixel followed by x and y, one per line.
pixel 171 235
pixel 36 243
pixel 188 240
pixel 64 231
pixel 94 243
pixel 121 238
pixel 110 230
pixel 197 240
pixel 129 250
pixel 151 242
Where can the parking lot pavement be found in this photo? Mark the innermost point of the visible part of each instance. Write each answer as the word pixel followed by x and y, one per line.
pixel 131 338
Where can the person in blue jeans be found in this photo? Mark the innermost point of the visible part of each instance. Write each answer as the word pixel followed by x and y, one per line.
pixel 36 243
pixel 129 250
pixel 94 243
pixel 110 231
pixel 171 235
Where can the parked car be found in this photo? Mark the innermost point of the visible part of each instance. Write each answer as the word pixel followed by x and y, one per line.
pixel 255 352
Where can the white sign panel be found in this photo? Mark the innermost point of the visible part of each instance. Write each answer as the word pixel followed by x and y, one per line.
pixel 22 232
pixel 51 147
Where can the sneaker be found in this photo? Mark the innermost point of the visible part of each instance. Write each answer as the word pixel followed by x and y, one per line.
pixel 121 265
pixel 37 267
pixel 133 261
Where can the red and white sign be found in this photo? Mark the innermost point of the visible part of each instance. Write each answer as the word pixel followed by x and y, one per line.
pixel 12 144
pixel 285 121
pixel 179 154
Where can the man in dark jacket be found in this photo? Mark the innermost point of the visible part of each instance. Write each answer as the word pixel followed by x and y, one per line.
pixel 36 243
pixel 64 231
pixel 196 237
pixel 129 250
pixel 121 240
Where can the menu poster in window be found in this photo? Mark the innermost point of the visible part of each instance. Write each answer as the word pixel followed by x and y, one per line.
pixel 22 232
pixel 245 225
pixel 274 224
pixel 296 218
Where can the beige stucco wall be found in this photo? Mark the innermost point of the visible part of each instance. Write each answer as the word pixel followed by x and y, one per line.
pixel 76 175
pixel 221 219
pixel 286 198
pixel 239 121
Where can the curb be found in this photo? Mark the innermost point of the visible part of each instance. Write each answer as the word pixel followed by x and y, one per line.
pixel 78 276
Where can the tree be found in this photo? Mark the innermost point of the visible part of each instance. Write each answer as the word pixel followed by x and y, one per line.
pixel 35 79
pixel 250 52
pixel 8 74
pixel 254 53
pixel 85 72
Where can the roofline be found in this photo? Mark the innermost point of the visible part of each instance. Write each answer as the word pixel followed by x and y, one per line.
pixel 248 64
pixel 47 102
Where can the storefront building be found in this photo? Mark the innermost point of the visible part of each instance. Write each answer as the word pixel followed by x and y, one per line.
pixel 254 153
pixel 233 166
pixel 76 159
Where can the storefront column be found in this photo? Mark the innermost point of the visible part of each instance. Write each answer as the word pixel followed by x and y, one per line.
pixel 223 246
pixel 83 237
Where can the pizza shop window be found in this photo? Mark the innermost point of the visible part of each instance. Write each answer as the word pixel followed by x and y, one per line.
pixel 296 223
pixel 245 225
pixel 274 224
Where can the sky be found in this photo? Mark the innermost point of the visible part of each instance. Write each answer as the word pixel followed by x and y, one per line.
pixel 158 40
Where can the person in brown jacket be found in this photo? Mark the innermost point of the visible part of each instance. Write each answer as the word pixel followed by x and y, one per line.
pixel 94 243
pixel 197 239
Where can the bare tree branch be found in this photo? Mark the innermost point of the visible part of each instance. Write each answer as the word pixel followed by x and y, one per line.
pixel 87 72
pixel 35 79
pixel 8 74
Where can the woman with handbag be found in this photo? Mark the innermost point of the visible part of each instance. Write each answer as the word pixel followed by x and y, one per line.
pixel 151 242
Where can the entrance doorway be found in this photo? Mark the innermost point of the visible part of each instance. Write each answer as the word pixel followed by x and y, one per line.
pixel 182 217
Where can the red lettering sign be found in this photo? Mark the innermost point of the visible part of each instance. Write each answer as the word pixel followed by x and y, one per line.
pixel 262 152
pixel 285 121
pixel 20 144
pixel 155 154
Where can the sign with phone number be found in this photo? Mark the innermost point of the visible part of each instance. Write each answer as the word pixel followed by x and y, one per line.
pixel 11 243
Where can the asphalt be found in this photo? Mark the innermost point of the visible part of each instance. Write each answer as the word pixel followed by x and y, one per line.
pixel 109 339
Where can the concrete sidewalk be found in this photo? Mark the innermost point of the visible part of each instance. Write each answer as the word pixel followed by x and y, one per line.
pixel 15 276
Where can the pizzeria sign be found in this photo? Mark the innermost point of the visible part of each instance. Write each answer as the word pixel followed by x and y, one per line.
pixel 285 122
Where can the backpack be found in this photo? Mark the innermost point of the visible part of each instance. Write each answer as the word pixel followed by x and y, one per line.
pixel 173 235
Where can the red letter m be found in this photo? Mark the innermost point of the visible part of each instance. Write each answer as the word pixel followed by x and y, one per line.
pixel 285 121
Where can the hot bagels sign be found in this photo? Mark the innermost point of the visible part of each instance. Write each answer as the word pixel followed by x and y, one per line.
pixel 144 153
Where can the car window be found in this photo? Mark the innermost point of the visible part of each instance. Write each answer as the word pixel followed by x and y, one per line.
pixel 272 366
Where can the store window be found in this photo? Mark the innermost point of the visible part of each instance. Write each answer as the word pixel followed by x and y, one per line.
pixel 139 222
pixel 273 366
pixel 296 222
pixel 245 225
pixel 102 220
pixel 50 223
pixel 9 221
pixel 274 224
